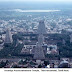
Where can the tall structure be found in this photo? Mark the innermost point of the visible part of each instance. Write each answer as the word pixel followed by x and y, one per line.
pixel 8 38
pixel 39 53
pixel 70 38
pixel 41 28
pixel 63 42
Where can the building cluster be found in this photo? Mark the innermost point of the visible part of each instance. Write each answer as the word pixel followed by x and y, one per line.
pixel 39 49
pixel 26 63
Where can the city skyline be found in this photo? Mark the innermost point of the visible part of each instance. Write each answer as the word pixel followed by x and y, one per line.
pixel 35 33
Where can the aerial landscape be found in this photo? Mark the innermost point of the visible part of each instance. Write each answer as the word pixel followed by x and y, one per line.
pixel 35 34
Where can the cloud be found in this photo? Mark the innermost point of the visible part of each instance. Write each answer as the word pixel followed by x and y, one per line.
pixel 20 10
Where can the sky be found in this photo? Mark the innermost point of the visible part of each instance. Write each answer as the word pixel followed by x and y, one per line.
pixel 37 4
pixel 41 0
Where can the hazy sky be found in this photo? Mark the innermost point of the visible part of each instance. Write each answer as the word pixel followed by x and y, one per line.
pixel 41 0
